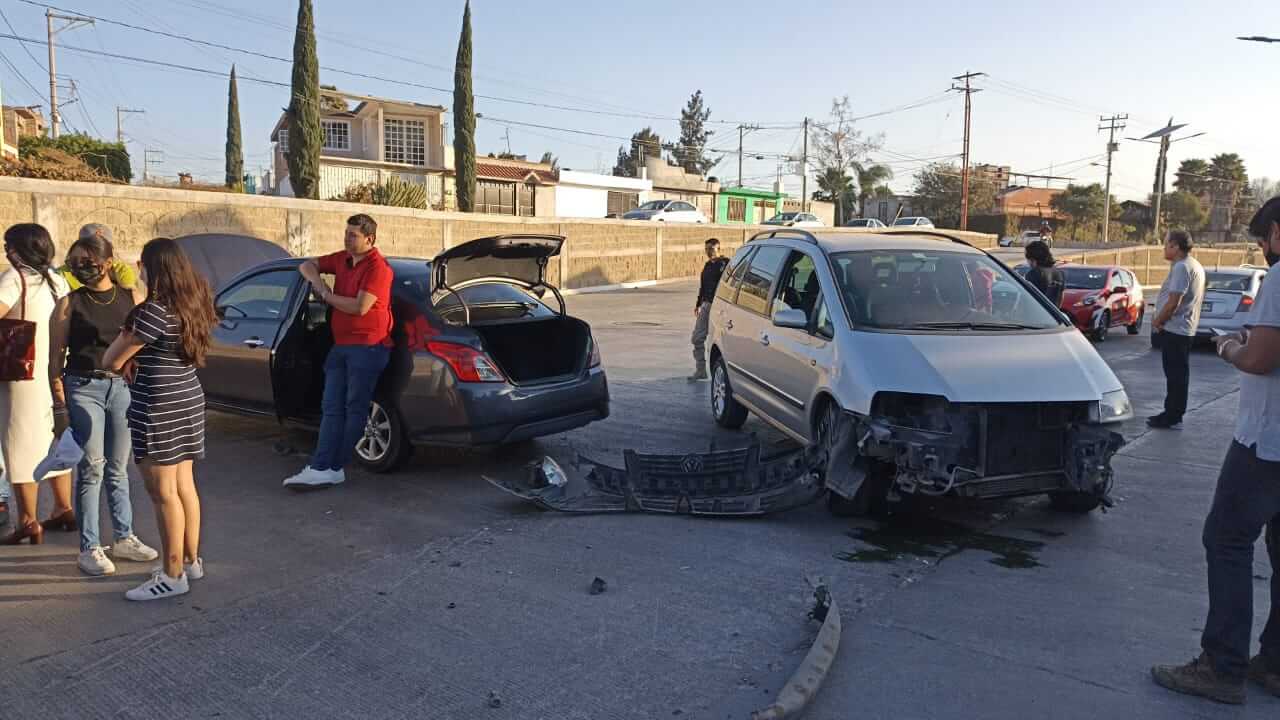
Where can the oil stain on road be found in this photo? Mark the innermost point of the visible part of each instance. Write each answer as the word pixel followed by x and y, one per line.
pixel 935 539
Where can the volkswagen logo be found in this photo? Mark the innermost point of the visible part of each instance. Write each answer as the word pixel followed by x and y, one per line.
pixel 691 464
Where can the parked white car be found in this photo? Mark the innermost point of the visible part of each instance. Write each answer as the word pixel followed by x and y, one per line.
pixel 882 350
pixel 923 222
pixel 794 219
pixel 1228 297
pixel 667 211
pixel 865 223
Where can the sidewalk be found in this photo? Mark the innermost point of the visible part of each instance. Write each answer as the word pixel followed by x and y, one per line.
pixel 1074 638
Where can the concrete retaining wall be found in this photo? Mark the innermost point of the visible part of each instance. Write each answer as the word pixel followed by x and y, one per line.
pixel 1148 263
pixel 596 252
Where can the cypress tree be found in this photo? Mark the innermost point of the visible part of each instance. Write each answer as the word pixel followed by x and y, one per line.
pixel 305 136
pixel 235 152
pixel 464 121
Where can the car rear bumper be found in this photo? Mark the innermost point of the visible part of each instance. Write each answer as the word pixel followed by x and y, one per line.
pixel 480 414
pixel 1207 325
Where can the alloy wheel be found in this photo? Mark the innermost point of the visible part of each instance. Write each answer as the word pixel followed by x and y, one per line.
pixel 719 389
pixel 376 441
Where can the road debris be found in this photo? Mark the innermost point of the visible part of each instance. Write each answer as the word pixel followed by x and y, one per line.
pixel 598 586
pixel 494 700
pixel 803 685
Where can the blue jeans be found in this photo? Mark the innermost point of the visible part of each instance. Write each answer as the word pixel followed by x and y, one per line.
pixel 351 373
pixel 98 408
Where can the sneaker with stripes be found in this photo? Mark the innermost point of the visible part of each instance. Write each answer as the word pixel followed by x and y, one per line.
pixel 160 586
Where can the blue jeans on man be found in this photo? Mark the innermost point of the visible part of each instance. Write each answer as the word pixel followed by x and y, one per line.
pixel 98 408
pixel 351 375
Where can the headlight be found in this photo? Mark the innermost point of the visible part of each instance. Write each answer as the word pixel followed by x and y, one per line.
pixel 1113 407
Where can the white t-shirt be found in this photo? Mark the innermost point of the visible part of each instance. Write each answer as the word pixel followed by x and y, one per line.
pixel 1259 419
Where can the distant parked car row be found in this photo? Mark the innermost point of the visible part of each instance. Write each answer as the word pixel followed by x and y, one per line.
pixel 1026 238
pixel 667 211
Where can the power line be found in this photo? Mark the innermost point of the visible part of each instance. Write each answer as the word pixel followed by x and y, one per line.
pixel 14 69
pixel 24 47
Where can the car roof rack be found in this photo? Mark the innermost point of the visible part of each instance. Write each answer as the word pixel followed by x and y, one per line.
pixel 794 233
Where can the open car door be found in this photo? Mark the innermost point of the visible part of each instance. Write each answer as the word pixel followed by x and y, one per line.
pixel 297 361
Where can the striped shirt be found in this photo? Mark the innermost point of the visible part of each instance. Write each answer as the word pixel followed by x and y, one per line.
pixel 166 416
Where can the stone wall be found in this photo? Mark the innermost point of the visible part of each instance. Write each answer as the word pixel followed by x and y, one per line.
pixel 1148 263
pixel 596 252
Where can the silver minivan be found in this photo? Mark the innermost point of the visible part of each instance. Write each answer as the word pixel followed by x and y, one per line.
pixel 907 357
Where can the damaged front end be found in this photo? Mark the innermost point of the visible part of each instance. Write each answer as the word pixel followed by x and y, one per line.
pixel 926 445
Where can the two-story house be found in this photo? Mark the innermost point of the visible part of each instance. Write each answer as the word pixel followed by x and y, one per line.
pixel 373 140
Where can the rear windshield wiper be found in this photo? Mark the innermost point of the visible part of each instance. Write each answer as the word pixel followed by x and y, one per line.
pixel 972 326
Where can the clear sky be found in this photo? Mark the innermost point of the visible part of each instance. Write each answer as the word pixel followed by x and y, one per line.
pixel 1054 68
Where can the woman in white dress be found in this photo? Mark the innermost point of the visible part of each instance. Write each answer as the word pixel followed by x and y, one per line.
pixel 27 417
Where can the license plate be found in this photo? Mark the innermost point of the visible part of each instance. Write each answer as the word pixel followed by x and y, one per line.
pixel 1206 307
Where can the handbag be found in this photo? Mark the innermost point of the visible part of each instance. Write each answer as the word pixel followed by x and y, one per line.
pixel 18 341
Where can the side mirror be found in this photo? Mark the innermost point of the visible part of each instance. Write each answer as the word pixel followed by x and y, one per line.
pixel 791 318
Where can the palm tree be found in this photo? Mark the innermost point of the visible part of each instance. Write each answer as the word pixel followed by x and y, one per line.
pixel 869 178
pixel 1230 180
pixel 837 187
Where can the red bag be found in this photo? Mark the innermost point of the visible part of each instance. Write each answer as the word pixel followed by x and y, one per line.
pixel 18 342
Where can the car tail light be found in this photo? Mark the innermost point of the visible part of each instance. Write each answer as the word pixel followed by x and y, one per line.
pixel 593 359
pixel 1246 302
pixel 469 364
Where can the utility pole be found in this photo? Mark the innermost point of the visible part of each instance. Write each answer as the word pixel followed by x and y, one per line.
pixel 968 91
pixel 741 132
pixel 1165 136
pixel 120 125
pixel 804 170
pixel 147 162
pixel 1113 123
pixel 55 117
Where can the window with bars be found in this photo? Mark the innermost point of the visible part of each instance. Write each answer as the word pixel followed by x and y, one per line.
pixel 405 141
pixel 621 202
pixel 337 134
pixel 282 139
pixel 737 211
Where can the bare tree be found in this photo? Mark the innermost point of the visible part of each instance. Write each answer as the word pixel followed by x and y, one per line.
pixel 839 147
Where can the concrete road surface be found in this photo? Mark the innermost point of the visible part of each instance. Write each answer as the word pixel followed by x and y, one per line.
pixel 428 594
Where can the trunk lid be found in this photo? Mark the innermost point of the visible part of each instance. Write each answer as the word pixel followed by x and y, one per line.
pixel 522 258
pixel 1220 303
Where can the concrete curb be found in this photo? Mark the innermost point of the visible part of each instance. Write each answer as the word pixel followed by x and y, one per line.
pixel 802 687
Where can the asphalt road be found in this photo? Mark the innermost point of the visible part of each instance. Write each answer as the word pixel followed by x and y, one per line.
pixel 429 594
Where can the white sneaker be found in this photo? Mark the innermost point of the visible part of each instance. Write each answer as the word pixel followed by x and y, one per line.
pixel 131 548
pixel 160 586
pixel 195 571
pixel 337 477
pixel 95 562
pixel 312 478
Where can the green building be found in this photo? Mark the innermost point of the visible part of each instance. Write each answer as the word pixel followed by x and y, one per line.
pixel 750 206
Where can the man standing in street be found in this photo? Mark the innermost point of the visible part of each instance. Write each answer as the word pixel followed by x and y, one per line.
pixel 1247 498
pixel 1177 317
pixel 361 324
pixel 711 273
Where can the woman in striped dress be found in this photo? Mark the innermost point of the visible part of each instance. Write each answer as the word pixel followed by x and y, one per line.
pixel 165 339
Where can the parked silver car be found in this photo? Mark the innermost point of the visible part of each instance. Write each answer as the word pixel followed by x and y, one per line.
pixel 906 354
pixel 1228 297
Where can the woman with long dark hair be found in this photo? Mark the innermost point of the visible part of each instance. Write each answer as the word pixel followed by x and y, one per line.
pixel 1047 278
pixel 29 291
pixel 166 338
pixel 84 325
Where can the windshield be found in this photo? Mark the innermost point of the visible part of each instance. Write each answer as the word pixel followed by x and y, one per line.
pixel 784 217
pixel 859 223
pixel 1227 281
pixel 905 221
pixel 654 205
pixel 935 291
pixel 1082 278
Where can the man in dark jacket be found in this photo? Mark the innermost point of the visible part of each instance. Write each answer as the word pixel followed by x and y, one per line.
pixel 711 273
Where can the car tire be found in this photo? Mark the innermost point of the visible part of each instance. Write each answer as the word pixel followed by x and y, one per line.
pixel 385 445
pixel 1101 333
pixel 1136 327
pixel 726 411
pixel 1074 502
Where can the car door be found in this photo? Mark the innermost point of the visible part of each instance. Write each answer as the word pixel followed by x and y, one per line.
pixel 789 358
pixel 251 312
pixel 1117 298
pixel 748 353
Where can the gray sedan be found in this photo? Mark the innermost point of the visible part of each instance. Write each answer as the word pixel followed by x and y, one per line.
pixel 484 355
pixel 1228 297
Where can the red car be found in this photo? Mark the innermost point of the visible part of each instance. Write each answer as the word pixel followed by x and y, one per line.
pixel 1098 298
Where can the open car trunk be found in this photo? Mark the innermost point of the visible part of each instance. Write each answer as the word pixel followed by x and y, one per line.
pixel 537 351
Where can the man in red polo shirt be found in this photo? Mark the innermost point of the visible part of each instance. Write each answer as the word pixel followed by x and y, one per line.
pixel 361 322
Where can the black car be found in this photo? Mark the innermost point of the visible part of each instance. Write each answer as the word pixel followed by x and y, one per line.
pixel 484 354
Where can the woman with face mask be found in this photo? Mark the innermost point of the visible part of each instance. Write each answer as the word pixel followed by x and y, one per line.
pixel 29 291
pixel 97 399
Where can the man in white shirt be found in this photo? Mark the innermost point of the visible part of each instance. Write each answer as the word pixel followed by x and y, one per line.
pixel 1177 318
pixel 1247 499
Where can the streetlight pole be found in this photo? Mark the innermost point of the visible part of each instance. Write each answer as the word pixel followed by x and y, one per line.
pixel 1164 137
pixel 55 117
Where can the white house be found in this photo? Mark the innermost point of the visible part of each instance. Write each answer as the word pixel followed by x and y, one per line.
pixel 372 141
pixel 588 195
